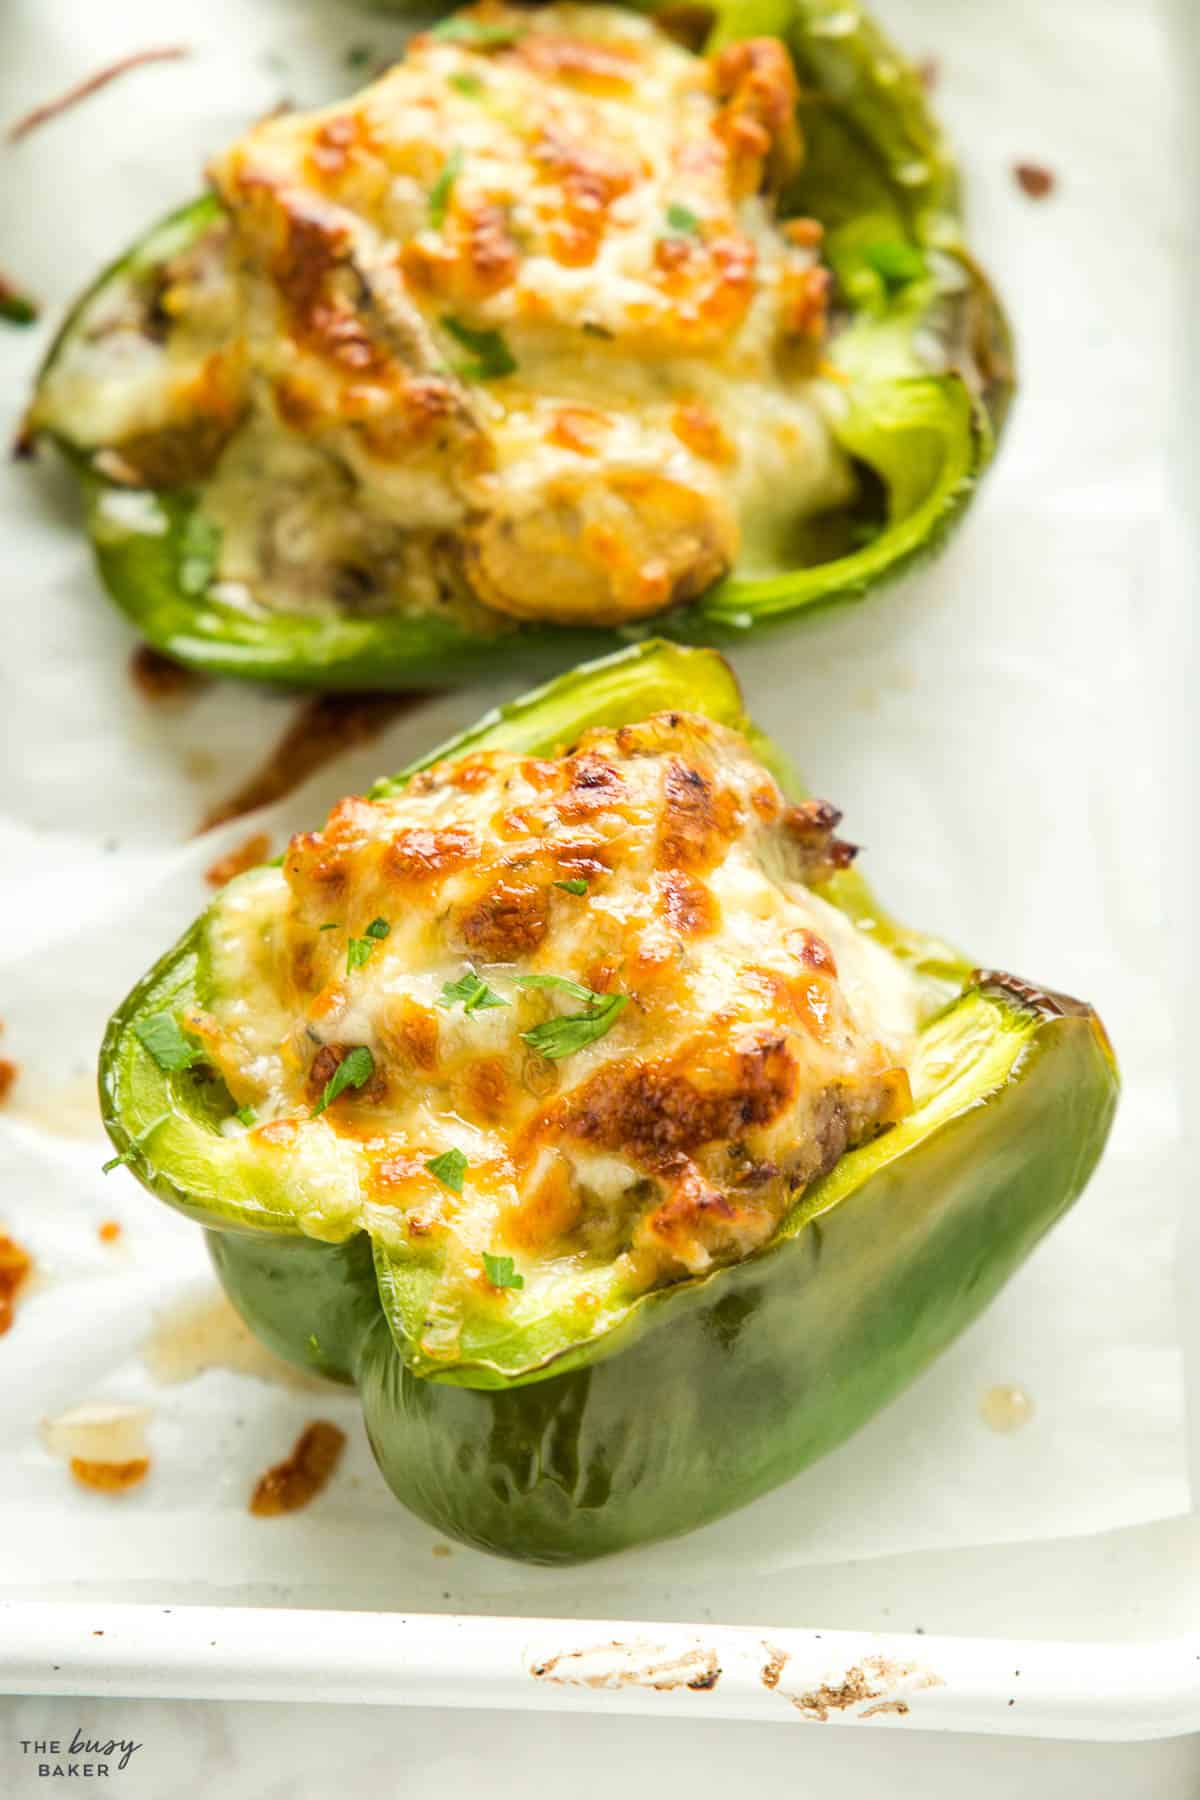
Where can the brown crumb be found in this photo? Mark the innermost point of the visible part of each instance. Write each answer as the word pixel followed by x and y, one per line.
pixel 9 1071
pixel 16 307
pixel 1034 180
pixel 110 1478
pixel 929 73
pixel 159 677
pixel 321 729
pixel 50 109
pixel 247 855
pixel 441 1549
pixel 109 1231
pixel 292 1483
pixel 15 1267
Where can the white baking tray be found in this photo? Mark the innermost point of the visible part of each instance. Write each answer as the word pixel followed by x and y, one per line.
pixel 1090 1636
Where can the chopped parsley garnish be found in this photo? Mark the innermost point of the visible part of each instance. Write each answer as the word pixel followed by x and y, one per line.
pixel 171 1047
pixel 359 56
pixel 135 1144
pixel 199 544
pixel 359 949
pixel 563 1036
pixel 355 1070
pixel 501 1271
pixel 476 32
pixel 492 356
pixel 443 187
pixel 448 1168
pixel 245 1115
pixel 470 85
pixel 472 990
pixel 313 1345
pixel 575 886
pixel 682 219
pixel 895 263
pixel 562 983
pixel 330 927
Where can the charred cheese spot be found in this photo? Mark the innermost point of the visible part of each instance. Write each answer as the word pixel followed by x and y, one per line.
pixel 584 195
pixel 699 818
pixel 487 1089
pixel 418 857
pixel 689 906
pixel 660 1110
pixel 508 921
pixel 411 1038
pixel 761 1033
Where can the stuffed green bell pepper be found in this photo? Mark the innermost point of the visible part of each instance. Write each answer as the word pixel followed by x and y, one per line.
pixel 560 326
pixel 571 1095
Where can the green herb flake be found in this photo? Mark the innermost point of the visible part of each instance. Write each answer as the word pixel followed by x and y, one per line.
pixel 562 983
pixel 199 547
pixel 501 1271
pixel 448 1168
pixel 563 1036
pixel 473 992
pixel 895 263
pixel 330 927
pixel 354 1071
pixel 135 1144
pixel 443 187
pixel 245 1115
pixel 576 886
pixel 313 1345
pixel 476 33
pixel 171 1047
pixel 492 357
pixel 358 950
pixel 360 56
pixel 470 85
pixel 683 220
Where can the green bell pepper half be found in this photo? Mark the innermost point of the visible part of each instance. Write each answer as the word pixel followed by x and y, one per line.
pixel 571 1432
pixel 923 351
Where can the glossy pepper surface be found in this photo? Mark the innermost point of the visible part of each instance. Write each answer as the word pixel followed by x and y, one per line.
pixel 920 349
pixel 562 1436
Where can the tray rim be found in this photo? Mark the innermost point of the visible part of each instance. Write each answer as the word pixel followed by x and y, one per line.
pixel 1098 1692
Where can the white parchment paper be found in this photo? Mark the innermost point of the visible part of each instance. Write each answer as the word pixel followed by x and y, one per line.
pixel 995 729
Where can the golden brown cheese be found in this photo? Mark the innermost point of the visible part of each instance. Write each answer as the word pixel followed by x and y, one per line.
pixel 749 1033
pixel 517 325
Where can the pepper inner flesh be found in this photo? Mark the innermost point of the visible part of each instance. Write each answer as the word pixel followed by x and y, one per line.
pixel 609 1021
pixel 517 332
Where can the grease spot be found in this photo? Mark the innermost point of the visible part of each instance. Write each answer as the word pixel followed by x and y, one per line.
pixel 206 1333
pixel 1005 1408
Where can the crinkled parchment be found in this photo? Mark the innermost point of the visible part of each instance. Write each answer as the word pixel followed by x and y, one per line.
pixel 996 730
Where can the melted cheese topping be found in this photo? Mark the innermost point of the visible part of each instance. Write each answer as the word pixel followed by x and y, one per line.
pixel 527 296
pixel 748 1034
